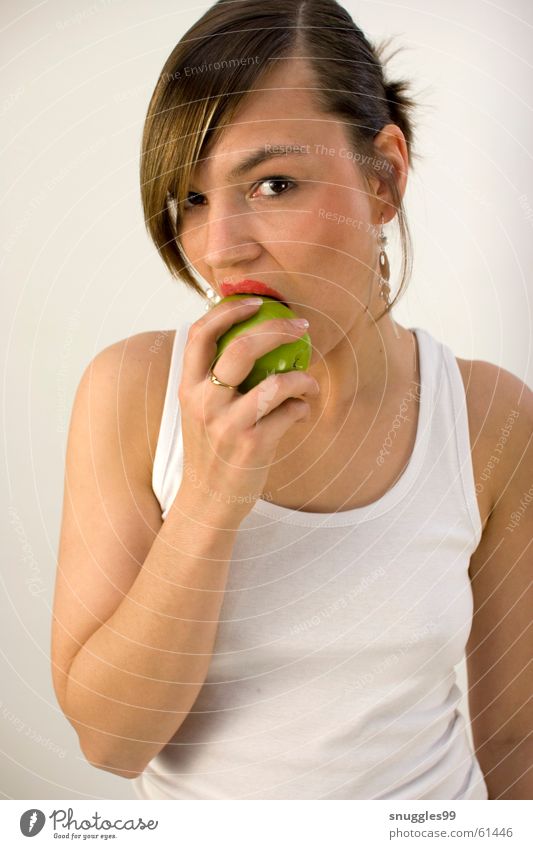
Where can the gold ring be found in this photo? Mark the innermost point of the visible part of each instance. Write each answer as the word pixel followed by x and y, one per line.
pixel 218 382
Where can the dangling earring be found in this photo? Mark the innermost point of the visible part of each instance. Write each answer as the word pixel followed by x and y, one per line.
pixel 212 298
pixel 210 294
pixel 384 267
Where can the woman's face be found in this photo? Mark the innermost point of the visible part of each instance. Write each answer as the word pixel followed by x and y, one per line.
pixel 311 234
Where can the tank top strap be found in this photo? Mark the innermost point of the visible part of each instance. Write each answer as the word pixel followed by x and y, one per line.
pixel 168 446
pixel 459 412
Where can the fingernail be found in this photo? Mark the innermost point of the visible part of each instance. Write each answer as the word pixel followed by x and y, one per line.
pixel 252 301
pixel 300 322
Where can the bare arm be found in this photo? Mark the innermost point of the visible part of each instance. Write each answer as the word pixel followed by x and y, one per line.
pixel 499 648
pixel 136 601
pixel 137 605
pixel 135 680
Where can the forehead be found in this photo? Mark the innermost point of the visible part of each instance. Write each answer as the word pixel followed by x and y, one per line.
pixel 288 85
pixel 280 108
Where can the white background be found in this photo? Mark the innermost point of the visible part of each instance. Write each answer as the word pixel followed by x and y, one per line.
pixel 80 273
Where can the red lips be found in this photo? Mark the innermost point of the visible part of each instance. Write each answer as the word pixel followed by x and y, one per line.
pixel 249 286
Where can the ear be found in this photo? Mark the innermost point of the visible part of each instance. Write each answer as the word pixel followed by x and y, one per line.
pixel 390 143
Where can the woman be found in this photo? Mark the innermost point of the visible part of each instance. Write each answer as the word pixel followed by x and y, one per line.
pixel 332 540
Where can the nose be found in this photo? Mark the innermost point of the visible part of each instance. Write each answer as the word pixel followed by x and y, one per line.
pixel 228 235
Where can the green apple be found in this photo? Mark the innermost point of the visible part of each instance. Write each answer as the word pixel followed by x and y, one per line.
pixel 288 357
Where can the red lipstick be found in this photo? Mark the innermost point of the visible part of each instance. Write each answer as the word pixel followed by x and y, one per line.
pixel 251 287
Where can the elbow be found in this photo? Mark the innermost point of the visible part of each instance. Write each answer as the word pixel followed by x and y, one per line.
pixel 122 773
pixel 91 753
pixel 97 760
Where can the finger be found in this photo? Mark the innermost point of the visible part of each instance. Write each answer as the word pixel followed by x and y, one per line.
pixel 201 345
pixel 270 393
pixel 239 356
pixel 275 424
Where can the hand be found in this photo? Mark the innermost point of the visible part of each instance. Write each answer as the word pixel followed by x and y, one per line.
pixel 229 439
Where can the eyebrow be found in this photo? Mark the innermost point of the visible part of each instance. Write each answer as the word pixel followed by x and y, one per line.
pixel 262 155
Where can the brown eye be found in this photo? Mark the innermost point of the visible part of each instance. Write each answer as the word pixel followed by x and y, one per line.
pixel 273 182
pixel 192 197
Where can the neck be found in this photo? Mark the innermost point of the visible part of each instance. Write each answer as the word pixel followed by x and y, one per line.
pixel 370 363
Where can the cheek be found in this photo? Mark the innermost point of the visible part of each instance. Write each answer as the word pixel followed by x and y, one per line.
pixel 339 228
pixel 343 253
pixel 339 258
pixel 189 238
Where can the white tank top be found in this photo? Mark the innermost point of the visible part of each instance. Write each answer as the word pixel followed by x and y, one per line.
pixel 332 675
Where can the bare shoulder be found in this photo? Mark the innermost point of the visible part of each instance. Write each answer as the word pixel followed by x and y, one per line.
pixel 111 515
pixel 135 370
pixel 500 410
pixel 501 405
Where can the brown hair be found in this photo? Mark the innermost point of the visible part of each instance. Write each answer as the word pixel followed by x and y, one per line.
pixel 211 70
